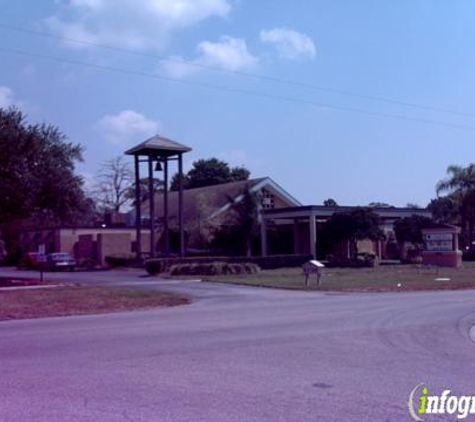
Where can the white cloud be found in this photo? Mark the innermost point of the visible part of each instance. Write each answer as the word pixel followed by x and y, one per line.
pixel 126 23
pixel 88 4
pixel 228 53
pixel 6 97
pixel 127 38
pixel 128 125
pixel 178 67
pixel 183 13
pixel 289 43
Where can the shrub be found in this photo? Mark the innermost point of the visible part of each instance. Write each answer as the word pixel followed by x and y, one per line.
pixel 413 256
pixel 363 260
pixel 121 260
pixel 160 265
pixel 214 268
pixel 366 259
pixel 469 255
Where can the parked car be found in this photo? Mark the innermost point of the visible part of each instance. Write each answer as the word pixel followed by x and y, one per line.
pixel 33 260
pixel 60 261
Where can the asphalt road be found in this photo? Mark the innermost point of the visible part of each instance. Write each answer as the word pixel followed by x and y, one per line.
pixel 238 354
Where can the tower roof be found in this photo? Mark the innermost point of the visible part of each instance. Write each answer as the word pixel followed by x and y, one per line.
pixel 158 146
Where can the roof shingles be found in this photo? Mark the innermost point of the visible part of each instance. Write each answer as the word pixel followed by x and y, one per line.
pixel 158 145
pixel 200 202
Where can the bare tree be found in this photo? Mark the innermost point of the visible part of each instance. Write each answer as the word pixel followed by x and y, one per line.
pixel 114 182
pixel 158 186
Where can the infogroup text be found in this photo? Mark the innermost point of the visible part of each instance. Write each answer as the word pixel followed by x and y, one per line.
pixel 422 403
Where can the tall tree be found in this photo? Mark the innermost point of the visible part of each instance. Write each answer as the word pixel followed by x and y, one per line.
pixel 444 209
pixel 409 229
pixel 37 170
pixel 37 180
pixel 358 224
pixel 460 179
pixel 114 182
pixel 330 202
pixel 239 173
pixel 244 217
pixel 208 172
pixel 460 186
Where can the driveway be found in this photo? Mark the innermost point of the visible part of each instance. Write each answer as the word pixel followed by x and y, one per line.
pixel 238 354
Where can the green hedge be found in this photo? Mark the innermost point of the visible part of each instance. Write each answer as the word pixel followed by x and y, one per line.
pixel 160 265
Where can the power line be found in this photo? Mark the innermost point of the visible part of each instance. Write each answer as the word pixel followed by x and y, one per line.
pixel 241 73
pixel 236 90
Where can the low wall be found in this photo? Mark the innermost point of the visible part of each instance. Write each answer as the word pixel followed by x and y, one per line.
pixel 443 259
pixel 158 265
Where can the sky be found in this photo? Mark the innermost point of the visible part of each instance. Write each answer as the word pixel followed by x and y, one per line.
pixel 365 101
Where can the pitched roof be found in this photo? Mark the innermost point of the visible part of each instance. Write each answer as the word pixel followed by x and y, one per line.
pixel 158 145
pixel 198 201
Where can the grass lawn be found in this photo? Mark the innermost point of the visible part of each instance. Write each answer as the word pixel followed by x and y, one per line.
pixel 78 300
pixel 382 278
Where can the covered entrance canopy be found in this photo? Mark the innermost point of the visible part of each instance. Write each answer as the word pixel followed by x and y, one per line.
pixel 308 216
pixel 157 152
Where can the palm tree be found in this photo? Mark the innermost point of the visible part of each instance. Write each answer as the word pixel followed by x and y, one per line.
pixel 460 179
pixel 460 185
pixel 245 215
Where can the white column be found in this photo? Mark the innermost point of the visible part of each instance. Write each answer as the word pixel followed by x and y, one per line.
pixel 313 235
pixel 297 246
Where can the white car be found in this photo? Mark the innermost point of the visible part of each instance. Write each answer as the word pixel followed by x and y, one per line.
pixel 60 261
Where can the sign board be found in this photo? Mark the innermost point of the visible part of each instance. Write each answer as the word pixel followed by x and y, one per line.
pixel 439 236
pixel 439 242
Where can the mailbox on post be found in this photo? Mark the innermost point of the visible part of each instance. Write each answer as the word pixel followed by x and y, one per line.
pixel 313 267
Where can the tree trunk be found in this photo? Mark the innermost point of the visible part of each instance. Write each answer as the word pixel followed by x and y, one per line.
pixel 464 228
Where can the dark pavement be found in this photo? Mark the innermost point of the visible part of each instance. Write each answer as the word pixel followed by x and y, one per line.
pixel 237 354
